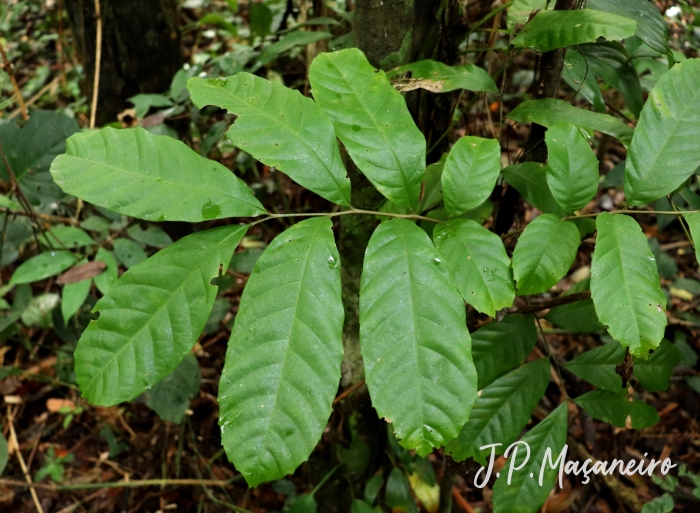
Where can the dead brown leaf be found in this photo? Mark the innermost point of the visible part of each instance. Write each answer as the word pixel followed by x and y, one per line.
pixel 82 272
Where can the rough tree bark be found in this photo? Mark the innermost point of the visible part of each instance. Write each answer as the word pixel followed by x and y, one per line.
pixel 140 49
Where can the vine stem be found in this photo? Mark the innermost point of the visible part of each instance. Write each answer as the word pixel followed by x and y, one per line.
pixel 117 484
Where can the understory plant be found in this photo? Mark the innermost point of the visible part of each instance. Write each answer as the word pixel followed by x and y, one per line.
pixel 434 250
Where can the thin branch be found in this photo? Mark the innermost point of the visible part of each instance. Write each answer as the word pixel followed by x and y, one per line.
pixel 558 301
pixel 98 59
pixel 18 93
pixel 25 470
pixel 117 484
pixel 45 217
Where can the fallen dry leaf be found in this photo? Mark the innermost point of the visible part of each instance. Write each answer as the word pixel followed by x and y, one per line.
pixel 82 272
pixel 55 404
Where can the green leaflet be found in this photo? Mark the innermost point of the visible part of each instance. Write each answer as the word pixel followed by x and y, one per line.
pixel 296 38
pixel 4 453
pixel 544 253
pixel 72 298
pixel 625 284
pixel 437 77
pixel 521 10
pixel 414 339
pixel 617 409
pixel 372 120
pixel 525 488
pixel 151 236
pixel 129 253
pixel 663 153
pixel 107 278
pixel 432 193
pixel 280 128
pixel 151 317
pixel 651 26
pixel 597 366
pixel 576 74
pixel 549 111
pixel 499 347
pixel 501 411
pixel 135 173
pixel 610 61
pixel 530 180
pixel 42 266
pixel 31 149
pixel 478 264
pixel 171 396
pixel 655 372
pixel 558 29
pixel 693 221
pixel 67 237
pixel 579 317
pixel 572 168
pixel 283 361
pixel 470 173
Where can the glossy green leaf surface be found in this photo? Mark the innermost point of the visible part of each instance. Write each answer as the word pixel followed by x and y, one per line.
pixel 501 411
pixel 597 366
pixel 470 173
pixel 693 221
pixel 549 111
pixel 437 77
pixel 414 338
pixel 576 73
pixel 520 11
pixel 129 253
pixel 651 26
pixel 478 264
pixel 580 316
pixel 663 153
pixel 31 148
pixel 549 30
pixel 170 397
pixel 67 237
pixel 280 128
pixel 152 316
pixel 544 253
pixel 372 120
pixel 135 173
pixel 654 373
pixel 617 409
pixel 572 168
pixel 73 296
pixel 42 266
pixel 530 180
pixel 499 347
pixel 283 361
pixel 625 284
pixel 610 61
pixel 526 489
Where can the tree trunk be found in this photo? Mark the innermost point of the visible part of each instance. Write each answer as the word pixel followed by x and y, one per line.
pixel 140 49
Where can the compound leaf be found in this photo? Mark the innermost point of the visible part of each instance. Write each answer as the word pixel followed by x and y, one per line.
pixel 531 483
pixel 283 361
pixel 625 284
pixel 597 366
pixel 655 372
pixel 549 30
pixel 499 347
pixel 470 173
pixel 501 411
pixel 548 111
pixel 478 264
pixel 617 409
pixel 572 168
pixel 372 120
pixel 663 153
pixel 414 339
pixel 135 173
pixel 280 128
pixel 544 253
pixel 151 317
